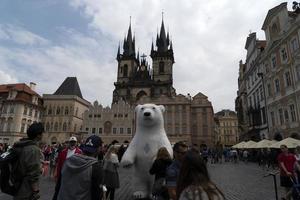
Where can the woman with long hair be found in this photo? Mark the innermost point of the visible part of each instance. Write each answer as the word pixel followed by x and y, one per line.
pixel 111 175
pixel 162 161
pixel 194 182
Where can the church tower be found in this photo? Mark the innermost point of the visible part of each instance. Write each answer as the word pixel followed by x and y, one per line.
pixel 127 65
pixel 162 63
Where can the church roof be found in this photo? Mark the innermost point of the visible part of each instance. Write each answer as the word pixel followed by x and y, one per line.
pixel 70 86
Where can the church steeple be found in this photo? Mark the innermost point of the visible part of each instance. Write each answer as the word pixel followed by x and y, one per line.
pixel 129 43
pixel 118 54
pixel 163 43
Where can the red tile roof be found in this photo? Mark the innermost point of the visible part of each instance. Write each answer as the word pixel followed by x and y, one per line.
pixel 21 87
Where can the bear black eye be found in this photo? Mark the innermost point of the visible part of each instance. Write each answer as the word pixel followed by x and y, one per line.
pixel 142 108
pixel 153 108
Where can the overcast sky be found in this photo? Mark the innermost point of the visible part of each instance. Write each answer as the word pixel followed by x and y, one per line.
pixel 44 41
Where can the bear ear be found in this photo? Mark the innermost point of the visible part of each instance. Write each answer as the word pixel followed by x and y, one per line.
pixel 162 108
pixel 137 108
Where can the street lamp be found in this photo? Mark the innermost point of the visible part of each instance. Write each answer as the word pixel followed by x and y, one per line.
pixel 261 75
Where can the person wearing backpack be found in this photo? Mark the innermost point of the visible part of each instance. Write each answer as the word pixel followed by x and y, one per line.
pixel 27 169
pixel 82 174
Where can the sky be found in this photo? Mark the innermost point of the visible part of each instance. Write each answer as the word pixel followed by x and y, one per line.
pixel 45 41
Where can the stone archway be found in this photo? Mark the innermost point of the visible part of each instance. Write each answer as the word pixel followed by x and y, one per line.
pixel 140 94
pixel 107 127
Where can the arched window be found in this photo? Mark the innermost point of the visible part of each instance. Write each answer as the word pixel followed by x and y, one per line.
pixel 161 67
pixel 55 126
pixel 50 111
pixel 58 110
pixel 9 124
pixel 66 111
pixel 140 94
pixel 125 71
pixel 47 126
pixel 107 127
pixel 64 126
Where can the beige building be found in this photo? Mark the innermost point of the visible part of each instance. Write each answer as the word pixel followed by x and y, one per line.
pixel 281 70
pixel 187 118
pixel 20 106
pixel 277 68
pixel 64 110
pixel 115 123
pixel 227 128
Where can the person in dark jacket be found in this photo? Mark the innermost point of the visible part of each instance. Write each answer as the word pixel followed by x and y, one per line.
pixel 29 164
pixel 162 161
pixel 82 174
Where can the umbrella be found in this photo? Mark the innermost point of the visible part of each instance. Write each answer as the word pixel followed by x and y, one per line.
pixel 239 144
pixel 264 144
pixel 289 142
pixel 249 145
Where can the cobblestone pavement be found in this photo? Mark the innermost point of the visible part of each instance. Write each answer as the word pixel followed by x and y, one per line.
pixel 237 181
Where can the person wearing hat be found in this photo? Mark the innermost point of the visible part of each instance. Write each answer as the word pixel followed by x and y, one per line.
pixel 29 163
pixel 82 174
pixel 66 153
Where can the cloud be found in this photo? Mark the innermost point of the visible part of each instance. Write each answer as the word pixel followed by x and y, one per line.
pixel 49 65
pixel 6 78
pixel 208 37
pixel 208 42
pixel 20 36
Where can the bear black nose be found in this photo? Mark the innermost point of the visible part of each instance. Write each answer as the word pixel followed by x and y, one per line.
pixel 147 114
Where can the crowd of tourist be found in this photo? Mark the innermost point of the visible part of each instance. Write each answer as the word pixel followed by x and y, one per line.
pixel 90 169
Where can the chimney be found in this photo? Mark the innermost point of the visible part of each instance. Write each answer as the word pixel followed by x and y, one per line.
pixel 32 86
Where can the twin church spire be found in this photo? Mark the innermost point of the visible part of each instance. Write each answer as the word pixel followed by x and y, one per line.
pixel 163 45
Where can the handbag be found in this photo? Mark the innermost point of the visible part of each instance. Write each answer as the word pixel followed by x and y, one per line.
pixel 158 186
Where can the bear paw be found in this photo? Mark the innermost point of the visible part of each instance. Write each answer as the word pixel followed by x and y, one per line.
pixel 139 195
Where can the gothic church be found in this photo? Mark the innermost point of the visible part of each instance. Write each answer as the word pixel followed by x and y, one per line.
pixel 135 77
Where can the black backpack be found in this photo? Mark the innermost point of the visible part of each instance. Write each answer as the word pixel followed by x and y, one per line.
pixel 10 176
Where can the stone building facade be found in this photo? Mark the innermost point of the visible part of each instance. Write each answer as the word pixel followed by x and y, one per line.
pixel 227 128
pixel 20 106
pixel 187 118
pixel 115 123
pixel 64 110
pixel 279 69
pixel 251 98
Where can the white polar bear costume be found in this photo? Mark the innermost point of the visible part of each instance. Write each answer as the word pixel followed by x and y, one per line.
pixel 149 137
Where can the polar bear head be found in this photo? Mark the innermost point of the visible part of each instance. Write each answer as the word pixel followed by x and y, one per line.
pixel 150 115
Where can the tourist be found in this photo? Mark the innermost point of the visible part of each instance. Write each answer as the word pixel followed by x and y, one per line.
pixel 66 153
pixel 162 161
pixel 69 151
pixel 111 175
pixel 297 164
pixel 194 182
pixel 29 164
pixel 245 156
pixel 286 163
pixel 82 176
pixel 172 173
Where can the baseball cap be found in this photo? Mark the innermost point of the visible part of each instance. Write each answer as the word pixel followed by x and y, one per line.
pixel 73 139
pixel 92 144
